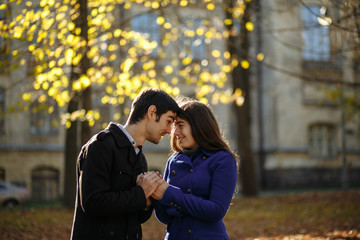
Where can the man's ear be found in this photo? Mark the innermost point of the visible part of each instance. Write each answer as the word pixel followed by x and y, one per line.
pixel 151 113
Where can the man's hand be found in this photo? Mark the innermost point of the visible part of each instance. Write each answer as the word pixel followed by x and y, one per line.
pixel 149 181
pixel 160 190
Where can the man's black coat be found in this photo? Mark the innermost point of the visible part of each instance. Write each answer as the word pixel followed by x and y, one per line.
pixel 109 204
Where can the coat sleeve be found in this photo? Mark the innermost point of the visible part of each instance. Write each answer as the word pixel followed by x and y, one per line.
pixel 96 196
pixel 145 215
pixel 222 189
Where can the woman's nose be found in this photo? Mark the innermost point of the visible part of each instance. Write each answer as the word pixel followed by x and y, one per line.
pixel 176 131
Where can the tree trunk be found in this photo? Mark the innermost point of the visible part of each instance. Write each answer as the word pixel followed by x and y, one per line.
pixel 241 79
pixel 71 151
pixel 87 105
pixel 73 135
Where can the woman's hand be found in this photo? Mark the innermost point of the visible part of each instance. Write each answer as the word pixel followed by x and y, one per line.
pixel 160 190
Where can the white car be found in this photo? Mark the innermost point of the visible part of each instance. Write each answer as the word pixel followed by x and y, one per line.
pixel 11 195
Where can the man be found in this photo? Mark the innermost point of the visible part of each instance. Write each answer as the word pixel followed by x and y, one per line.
pixel 113 185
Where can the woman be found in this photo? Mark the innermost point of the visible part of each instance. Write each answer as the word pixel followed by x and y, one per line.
pixel 200 177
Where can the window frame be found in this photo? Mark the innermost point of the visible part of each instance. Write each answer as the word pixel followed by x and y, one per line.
pixel 316 47
pixel 322 141
pixel 49 129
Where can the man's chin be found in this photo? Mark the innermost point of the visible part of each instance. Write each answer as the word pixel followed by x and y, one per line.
pixel 155 141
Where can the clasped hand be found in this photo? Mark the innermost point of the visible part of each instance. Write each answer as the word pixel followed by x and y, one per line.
pixel 152 184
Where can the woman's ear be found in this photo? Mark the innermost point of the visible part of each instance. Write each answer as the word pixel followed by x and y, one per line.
pixel 151 113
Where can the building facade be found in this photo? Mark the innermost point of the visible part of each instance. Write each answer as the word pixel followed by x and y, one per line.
pixel 298 130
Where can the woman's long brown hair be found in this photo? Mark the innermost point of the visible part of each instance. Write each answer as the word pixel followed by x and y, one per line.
pixel 204 126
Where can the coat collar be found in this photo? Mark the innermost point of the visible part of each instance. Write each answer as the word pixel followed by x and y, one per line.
pixel 180 156
pixel 120 138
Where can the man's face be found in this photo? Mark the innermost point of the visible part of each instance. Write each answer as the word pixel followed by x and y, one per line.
pixel 157 129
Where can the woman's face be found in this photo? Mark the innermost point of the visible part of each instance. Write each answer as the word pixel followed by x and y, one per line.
pixel 182 132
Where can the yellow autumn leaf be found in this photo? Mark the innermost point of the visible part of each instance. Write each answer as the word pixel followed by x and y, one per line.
pixel 52 64
pixel 200 31
pixel 155 5
pixel 117 33
pixel 226 68
pixel 167 25
pixel 183 3
pixel 69 54
pixel 237 92
pixel 160 20
pixel 240 101
pixel 108 89
pixel 204 100
pixel 227 55
pixel 76 85
pixel 26 96
pixel 210 6
pixel 245 64
pixel 45 85
pixel 228 21
pixel 71 26
pixel 249 26
pixel 186 61
pixel 68 124
pixel 168 69
pixel 152 73
pixel 215 53
pixel 260 57
pixel 127 64
pixel 85 81
pixel 42 98
pixel 51 92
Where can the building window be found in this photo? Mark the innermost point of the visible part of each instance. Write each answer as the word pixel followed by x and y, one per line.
pixel 44 119
pixel 45 184
pixel 2 174
pixel 316 37
pixel 146 25
pixel 2 111
pixel 193 40
pixel 322 141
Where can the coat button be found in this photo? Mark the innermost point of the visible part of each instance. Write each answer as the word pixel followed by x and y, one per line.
pixel 204 157
pixel 189 231
pixel 188 190
pixel 191 170
pixel 173 172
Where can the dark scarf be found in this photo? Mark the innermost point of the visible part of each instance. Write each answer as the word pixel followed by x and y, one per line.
pixel 190 151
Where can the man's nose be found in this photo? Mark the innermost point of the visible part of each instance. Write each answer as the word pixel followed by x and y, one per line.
pixel 168 129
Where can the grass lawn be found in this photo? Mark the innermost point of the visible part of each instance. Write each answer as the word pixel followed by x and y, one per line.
pixel 315 215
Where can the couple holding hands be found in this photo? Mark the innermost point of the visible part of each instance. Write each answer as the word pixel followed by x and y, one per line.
pixel 116 193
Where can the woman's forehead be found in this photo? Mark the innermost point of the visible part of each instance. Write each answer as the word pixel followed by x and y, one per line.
pixel 179 119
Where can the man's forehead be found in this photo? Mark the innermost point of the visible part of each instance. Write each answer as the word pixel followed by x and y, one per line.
pixel 170 114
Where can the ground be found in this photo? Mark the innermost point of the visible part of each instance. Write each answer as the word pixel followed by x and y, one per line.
pixel 311 215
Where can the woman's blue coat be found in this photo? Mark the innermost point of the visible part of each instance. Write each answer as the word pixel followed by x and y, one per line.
pixel 199 195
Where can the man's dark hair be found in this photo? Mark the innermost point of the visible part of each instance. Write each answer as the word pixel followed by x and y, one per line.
pixel 160 99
